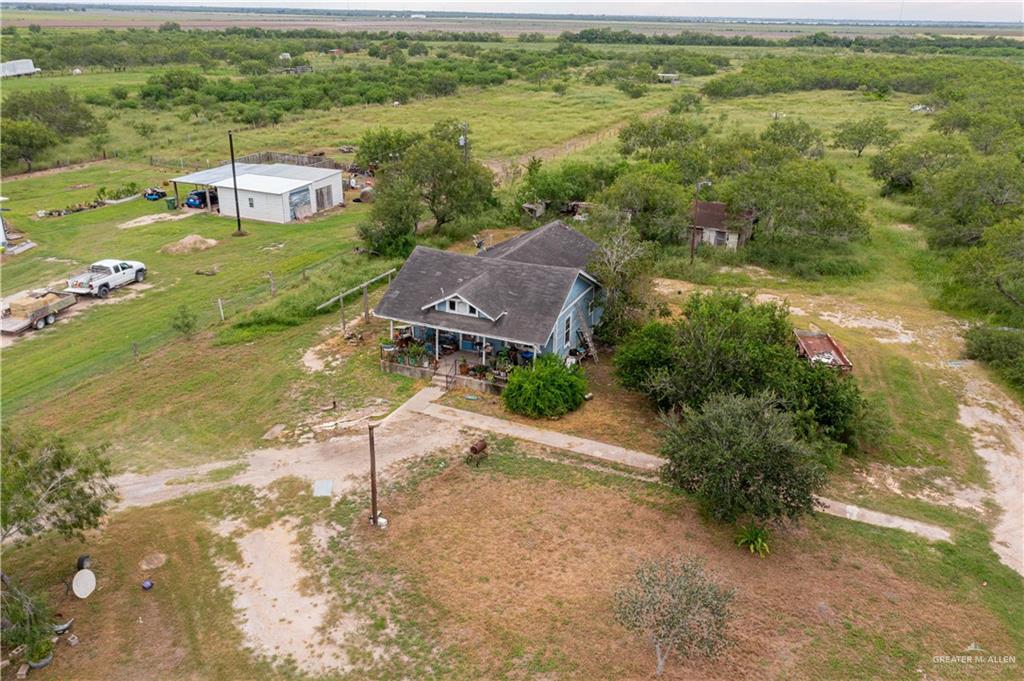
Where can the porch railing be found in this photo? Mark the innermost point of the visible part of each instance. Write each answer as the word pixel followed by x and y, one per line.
pixel 449 378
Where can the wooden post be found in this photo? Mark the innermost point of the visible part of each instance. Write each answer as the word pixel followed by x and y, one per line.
pixel 209 206
pixel 220 307
pixel 437 344
pixel 373 478
pixel 273 288
pixel 535 351
pixel 341 307
pixel 391 329
pixel 177 201
pixel 366 304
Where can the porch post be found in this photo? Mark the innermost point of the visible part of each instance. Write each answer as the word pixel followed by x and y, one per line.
pixel 391 330
pixel 535 351
pixel 483 350
pixel 437 345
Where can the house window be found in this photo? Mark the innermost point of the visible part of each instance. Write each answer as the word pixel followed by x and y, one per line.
pixel 472 310
pixel 568 329
pixel 252 204
pixel 451 306
pixel 721 237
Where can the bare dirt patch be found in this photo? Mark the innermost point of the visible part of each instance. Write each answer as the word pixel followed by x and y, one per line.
pixel 536 562
pixel 154 218
pixel 282 616
pixel 152 561
pixel 193 243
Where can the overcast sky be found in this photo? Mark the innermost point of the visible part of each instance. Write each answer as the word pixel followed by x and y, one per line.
pixel 881 10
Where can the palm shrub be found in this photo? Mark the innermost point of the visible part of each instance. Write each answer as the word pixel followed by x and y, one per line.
pixel 548 388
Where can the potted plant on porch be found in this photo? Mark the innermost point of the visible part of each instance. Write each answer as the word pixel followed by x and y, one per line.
pixel 463 367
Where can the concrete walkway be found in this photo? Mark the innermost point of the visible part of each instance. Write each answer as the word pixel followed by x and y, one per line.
pixel 593 449
pixel 601 451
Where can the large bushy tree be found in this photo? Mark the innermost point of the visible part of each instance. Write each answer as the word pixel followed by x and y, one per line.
pixel 23 142
pixel 743 457
pixel 728 343
pixel 61 111
pixel 657 205
pixel 859 135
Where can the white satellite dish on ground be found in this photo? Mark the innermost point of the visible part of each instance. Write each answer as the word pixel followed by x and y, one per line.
pixel 84 583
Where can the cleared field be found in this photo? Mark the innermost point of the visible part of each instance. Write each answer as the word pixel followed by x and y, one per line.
pixel 505 122
pixel 508 571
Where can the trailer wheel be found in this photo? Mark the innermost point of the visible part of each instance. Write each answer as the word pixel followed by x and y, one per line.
pixel 139 276
pixel 104 291
pixel 51 318
pixel 39 323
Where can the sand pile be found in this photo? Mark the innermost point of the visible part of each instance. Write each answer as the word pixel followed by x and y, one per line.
pixel 189 244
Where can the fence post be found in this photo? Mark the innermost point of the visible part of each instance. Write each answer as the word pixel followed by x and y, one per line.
pixel 135 350
pixel 220 307
pixel 273 289
pixel 341 306
pixel 366 304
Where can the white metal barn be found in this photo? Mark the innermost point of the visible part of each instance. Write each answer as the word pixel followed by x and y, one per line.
pixel 18 67
pixel 277 192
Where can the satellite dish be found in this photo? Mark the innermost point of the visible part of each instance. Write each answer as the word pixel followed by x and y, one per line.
pixel 84 583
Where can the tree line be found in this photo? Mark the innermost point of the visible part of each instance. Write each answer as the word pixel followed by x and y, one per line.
pixel 925 44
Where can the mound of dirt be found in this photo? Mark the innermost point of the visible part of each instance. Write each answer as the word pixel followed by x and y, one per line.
pixel 189 244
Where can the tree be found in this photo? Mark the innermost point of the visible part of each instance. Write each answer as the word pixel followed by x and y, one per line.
pixel 912 165
pixel 622 264
pixel 646 350
pixel 632 88
pixel 61 111
pixel 859 135
pixel 383 145
pixel 544 389
pixel 35 28
pixel 678 606
pixel 396 211
pixel 50 484
pixel 727 343
pixel 742 457
pixel 961 201
pixel 996 266
pixel 660 138
pixel 448 182
pixel 252 67
pixel 657 205
pixel 795 198
pixel 169 27
pixel 796 134
pixel 24 141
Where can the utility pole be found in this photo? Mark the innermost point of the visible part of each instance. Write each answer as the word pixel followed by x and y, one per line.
pixel 373 479
pixel 693 228
pixel 234 183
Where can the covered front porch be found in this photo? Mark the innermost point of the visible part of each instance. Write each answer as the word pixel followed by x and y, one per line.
pixel 452 354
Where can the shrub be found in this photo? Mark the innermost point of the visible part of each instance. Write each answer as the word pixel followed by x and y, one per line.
pixel 1000 348
pixel 647 349
pixel 742 457
pixel 677 606
pixel 632 88
pixel 546 389
pixel 185 322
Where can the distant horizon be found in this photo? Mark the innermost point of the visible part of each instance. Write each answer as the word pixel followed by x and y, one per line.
pixel 883 12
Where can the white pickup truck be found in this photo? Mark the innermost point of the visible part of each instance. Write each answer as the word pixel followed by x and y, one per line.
pixel 105 275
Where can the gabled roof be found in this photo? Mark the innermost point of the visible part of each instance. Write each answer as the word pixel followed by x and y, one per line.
pixel 217 174
pixel 263 184
pixel 556 243
pixel 524 298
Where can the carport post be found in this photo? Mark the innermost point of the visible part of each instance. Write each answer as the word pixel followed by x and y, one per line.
pixel 177 201
pixel 373 479
pixel 209 206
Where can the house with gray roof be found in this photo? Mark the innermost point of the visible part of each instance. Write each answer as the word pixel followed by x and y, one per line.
pixel 529 295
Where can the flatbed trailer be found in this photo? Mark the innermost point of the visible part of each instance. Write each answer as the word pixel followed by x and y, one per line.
pixel 23 314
